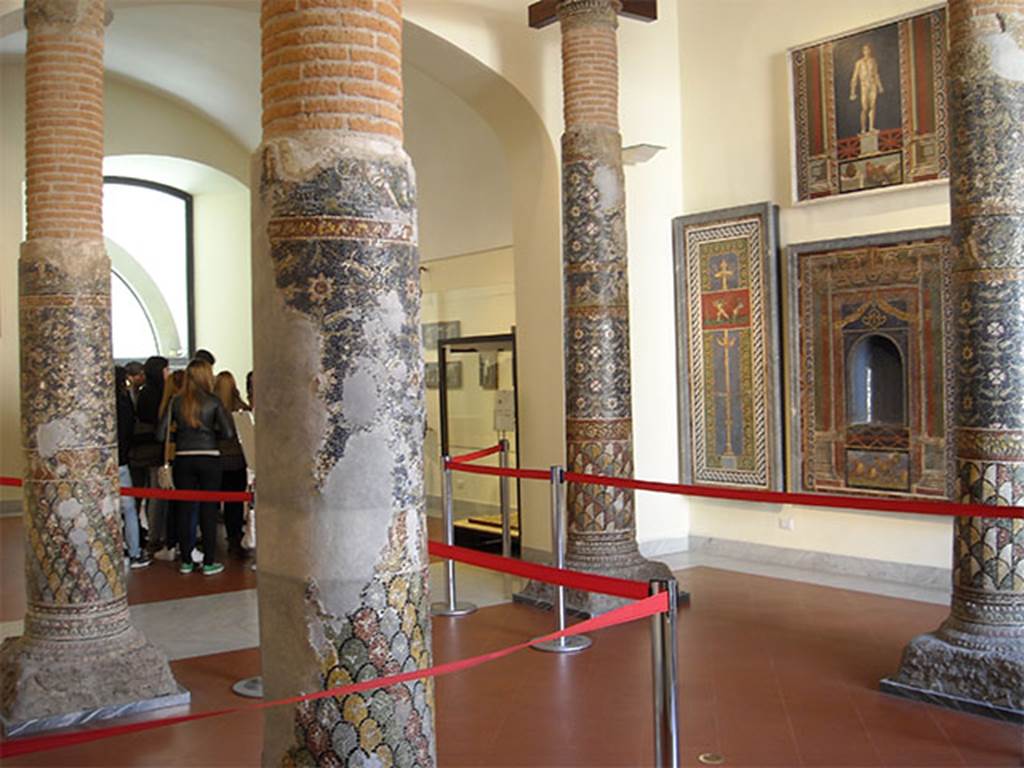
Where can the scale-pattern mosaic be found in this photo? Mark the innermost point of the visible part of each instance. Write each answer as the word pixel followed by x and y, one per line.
pixel 598 390
pixel 72 512
pixel 342 244
pixel 988 281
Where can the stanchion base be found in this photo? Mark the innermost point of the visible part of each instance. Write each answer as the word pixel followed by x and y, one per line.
pixel 572 644
pixel 443 609
pixel 250 687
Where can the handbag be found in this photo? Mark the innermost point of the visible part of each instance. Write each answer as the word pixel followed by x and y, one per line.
pixel 164 475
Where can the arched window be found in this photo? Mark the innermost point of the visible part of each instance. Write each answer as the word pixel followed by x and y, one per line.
pixel 148 232
pixel 876 388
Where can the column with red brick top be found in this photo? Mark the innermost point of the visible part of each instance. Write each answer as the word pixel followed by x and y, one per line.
pixel 599 423
pixel 79 656
pixel 975 660
pixel 343 562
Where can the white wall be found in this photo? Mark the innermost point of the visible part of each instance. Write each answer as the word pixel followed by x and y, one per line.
pixel 462 176
pixel 478 290
pixel 494 32
pixel 736 150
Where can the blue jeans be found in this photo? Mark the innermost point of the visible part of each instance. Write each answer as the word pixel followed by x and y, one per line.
pixel 129 513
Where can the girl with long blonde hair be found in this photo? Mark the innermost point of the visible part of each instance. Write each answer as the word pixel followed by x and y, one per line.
pixel 234 477
pixel 200 423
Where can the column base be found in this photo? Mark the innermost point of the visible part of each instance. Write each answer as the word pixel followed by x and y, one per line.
pixel 988 682
pixel 46 685
pixel 588 604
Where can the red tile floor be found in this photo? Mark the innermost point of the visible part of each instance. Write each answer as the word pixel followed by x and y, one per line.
pixel 772 673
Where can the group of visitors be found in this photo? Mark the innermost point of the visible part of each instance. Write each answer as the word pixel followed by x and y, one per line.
pixel 182 418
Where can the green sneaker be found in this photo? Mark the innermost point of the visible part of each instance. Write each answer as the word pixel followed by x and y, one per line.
pixel 186 568
pixel 213 570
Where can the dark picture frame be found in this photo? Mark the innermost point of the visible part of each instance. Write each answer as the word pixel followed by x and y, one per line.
pixel 728 354
pixel 870 107
pixel 869 393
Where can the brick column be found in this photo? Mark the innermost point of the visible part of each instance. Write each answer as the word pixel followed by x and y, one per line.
pixel 975 660
pixel 79 654
pixel 343 561
pixel 599 421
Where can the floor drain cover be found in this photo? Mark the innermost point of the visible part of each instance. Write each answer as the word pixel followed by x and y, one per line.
pixel 250 687
pixel 710 758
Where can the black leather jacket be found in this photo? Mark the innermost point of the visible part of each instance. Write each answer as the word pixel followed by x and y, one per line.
pixel 214 425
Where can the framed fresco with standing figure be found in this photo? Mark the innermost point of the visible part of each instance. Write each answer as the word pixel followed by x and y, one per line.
pixel 727 322
pixel 869 107
pixel 867 348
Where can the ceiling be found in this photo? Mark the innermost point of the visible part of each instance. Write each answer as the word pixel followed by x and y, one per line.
pixel 205 55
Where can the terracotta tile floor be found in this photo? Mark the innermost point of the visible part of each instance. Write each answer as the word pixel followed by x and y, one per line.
pixel 772 673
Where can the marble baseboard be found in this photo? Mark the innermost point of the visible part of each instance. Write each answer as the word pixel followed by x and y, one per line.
pixel 951 702
pixel 13 729
pixel 921 576
pixel 657 547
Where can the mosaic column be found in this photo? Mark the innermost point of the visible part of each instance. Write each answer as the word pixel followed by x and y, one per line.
pixel 975 660
pixel 599 423
pixel 79 655
pixel 343 561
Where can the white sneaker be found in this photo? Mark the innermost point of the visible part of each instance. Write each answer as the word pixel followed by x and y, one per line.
pixel 164 554
pixel 197 556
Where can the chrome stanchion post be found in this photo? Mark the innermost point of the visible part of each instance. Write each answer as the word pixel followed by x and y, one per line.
pixel 576 642
pixel 503 500
pixel 452 607
pixel 664 672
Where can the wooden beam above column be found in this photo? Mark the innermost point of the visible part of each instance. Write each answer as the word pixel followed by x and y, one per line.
pixel 544 12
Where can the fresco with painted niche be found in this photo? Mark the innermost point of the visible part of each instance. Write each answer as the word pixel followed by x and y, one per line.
pixel 870 107
pixel 726 301
pixel 868 338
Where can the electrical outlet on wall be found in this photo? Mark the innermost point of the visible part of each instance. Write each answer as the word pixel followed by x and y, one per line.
pixel 786 523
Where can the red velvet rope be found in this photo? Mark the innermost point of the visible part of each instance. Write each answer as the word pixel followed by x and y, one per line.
pixel 871 504
pixel 160 493
pixel 524 474
pixel 483 452
pixel 587 582
pixel 647 607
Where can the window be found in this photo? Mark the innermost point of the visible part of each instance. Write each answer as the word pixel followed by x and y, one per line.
pixel 148 232
pixel 875 393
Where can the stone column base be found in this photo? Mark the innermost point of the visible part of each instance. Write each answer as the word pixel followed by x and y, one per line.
pixel 989 682
pixel 588 604
pixel 46 685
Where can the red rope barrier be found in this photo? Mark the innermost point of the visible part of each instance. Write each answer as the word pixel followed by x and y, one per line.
pixel 482 453
pixel 588 582
pixel 647 607
pixel 524 474
pixel 868 503
pixel 160 493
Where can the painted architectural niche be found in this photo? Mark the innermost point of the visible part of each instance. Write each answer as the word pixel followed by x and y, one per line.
pixel 869 107
pixel 729 364
pixel 868 339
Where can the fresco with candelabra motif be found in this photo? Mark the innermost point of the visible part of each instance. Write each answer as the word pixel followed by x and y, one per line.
pixel 727 312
